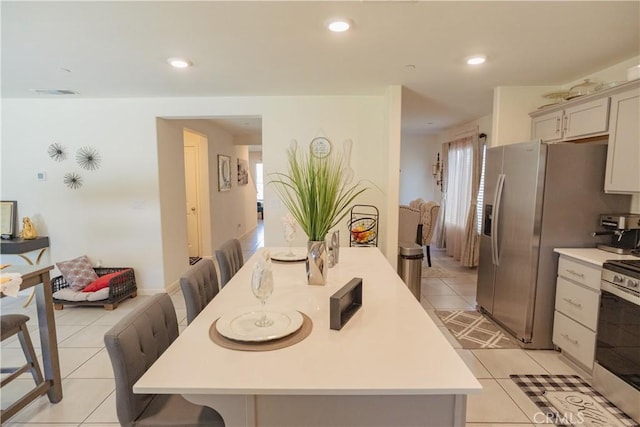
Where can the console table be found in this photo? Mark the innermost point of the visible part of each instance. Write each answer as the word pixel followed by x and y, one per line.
pixel 21 247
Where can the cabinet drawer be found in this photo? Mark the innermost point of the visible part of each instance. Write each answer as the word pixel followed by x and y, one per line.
pixel 574 339
pixel 580 273
pixel 577 302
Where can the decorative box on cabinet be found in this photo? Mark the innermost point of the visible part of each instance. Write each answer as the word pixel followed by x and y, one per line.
pixel 576 310
pixel 623 153
pixel 582 120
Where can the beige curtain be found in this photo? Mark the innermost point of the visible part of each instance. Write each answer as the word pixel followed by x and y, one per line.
pixel 471 245
pixel 458 194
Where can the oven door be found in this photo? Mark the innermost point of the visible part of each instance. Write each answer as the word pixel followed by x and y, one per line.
pixel 618 338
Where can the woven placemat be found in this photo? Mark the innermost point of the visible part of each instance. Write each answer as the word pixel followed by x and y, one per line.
pixel 289 340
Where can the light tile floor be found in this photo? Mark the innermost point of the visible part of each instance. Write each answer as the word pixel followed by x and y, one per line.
pixel 88 386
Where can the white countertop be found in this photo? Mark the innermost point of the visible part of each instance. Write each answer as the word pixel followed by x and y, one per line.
pixel 592 255
pixel 389 347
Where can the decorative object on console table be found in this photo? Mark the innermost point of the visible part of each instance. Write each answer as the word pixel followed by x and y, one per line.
pixel 8 218
pixel 315 192
pixel 28 229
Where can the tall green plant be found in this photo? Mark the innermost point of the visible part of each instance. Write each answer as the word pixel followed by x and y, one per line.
pixel 315 191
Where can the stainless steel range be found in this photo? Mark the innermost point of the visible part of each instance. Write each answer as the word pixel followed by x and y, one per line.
pixel 617 369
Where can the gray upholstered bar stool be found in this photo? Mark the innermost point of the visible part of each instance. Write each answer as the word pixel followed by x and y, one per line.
pixel 230 260
pixel 134 344
pixel 199 285
pixel 16 324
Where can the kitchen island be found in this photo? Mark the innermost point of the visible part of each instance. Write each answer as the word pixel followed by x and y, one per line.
pixel 388 365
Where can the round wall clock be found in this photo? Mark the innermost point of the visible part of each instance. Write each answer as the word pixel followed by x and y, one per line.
pixel 320 147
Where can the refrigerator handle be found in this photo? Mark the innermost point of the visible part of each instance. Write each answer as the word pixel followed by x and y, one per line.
pixel 497 197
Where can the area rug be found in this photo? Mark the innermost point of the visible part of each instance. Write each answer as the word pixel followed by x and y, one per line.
pixel 194 259
pixel 567 400
pixel 474 330
pixel 436 271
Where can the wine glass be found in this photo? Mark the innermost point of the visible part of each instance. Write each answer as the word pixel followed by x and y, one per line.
pixel 262 287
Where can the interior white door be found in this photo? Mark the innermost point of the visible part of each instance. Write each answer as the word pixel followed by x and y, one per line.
pixel 191 186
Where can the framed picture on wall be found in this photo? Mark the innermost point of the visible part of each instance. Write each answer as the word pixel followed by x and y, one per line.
pixel 8 218
pixel 224 173
pixel 243 172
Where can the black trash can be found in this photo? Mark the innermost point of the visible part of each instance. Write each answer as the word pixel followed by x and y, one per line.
pixel 410 258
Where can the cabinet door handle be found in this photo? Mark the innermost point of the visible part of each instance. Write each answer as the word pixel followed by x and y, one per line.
pixel 558 125
pixel 566 336
pixel 575 273
pixel 571 302
pixel 566 122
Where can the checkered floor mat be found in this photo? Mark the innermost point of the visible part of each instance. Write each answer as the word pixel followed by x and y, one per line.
pixel 537 387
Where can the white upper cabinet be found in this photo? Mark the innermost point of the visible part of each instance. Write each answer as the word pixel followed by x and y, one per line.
pixel 586 119
pixel 623 152
pixel 547 127
pixel 581 120
pixel 614 112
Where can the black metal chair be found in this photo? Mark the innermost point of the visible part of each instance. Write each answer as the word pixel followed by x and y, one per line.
pixel 16 324
pixel 199 285
pixel 134 344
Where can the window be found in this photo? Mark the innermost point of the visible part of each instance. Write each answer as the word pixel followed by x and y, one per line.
pixel 259 182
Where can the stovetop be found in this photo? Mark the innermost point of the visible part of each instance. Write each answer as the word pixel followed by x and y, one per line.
pixel 627 267
pixel 631 264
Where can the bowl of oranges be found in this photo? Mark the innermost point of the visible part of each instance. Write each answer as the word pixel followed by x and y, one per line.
pixel 363 230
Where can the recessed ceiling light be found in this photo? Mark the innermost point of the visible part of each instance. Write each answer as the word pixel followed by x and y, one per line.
pixel 179 62
pixel 476 60
pixel 339 25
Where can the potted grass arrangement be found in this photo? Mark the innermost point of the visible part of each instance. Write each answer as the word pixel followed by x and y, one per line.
pixel 317 193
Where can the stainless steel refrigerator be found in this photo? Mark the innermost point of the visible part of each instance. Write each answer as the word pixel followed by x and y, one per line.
pixel 537 197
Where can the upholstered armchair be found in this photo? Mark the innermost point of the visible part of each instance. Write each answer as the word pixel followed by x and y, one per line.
pixel 429 217
pixel 426 215
pixel 409 225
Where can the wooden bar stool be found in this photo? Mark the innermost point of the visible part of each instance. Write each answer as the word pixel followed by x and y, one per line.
pixel 12 324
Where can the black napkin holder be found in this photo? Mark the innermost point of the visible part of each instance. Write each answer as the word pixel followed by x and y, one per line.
pixel 344 303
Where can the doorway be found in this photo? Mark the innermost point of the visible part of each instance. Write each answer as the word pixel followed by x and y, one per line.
pixel 196 189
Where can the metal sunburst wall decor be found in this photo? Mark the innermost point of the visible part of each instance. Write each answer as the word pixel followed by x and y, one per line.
pixel 57 152
pixel 88 158
pixel 73 180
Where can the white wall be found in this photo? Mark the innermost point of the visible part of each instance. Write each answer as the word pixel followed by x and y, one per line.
pixel 363 120
pixel 511 108
pixel 418 154
pixel 483 124
pixel 126 213
pixel 615 73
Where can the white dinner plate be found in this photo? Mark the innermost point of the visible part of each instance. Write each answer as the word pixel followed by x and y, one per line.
pixel 241 325
pixel 286 257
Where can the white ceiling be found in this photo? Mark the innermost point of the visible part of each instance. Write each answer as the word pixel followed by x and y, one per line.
pixel 119 49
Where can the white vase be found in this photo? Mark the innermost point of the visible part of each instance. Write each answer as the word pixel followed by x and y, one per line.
pixel 316 263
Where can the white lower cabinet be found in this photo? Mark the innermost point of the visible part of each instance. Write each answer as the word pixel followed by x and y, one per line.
pixel 576 340
pixel 576 310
